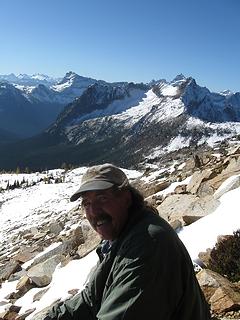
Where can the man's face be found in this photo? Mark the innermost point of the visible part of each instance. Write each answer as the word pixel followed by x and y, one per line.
pixel 107 211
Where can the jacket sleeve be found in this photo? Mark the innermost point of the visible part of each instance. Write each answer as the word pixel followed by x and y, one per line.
pixel 75 308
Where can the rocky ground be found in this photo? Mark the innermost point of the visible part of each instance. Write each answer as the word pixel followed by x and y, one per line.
pixel 184 190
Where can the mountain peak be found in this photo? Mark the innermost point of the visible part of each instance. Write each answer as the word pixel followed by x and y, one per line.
pixel 41 77
pixel 179 77
pixel 70 74
pixel 156 82
pixel 70 77
pixel 179 80
pixel 226 93
pixel 23 76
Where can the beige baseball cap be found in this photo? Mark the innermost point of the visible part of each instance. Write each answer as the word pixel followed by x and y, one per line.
pixel 101 177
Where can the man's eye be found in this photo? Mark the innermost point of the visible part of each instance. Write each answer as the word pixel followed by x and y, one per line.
pixel 85 204
pixel 102 198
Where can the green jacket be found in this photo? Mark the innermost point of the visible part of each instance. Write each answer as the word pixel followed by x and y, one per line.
pixel 147 274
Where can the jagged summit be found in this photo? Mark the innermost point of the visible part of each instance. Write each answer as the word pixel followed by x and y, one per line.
pixel 226 92
pixel 178 79
pixel 73 84
pixel 156 82
pixel 71 76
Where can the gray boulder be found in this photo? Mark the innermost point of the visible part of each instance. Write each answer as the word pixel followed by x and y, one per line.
pixel 41 274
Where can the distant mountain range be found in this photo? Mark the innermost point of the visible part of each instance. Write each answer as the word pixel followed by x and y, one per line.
pixel 29 104
pixel 88 121
pixel 26 80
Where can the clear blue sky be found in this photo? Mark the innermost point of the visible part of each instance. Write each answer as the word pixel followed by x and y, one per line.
pixel 127 40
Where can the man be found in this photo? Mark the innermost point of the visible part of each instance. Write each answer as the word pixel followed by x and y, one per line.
pixel 144 271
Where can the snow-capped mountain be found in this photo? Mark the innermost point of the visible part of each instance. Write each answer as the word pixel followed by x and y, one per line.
pixel 72 86
pixel 48 89
pixel 211 107
pixel 29 80
pixel 127 123
pixel 101 100
pixel 37 101
pixel 62 92
pixel 142 118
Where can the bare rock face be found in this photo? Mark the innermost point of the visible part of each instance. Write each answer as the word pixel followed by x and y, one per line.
pixel 174 206
pixel 40 294
pixel 229 167
pixel 40 315
pixel 205 257
pixel 190 219
pixel 10 268
pixel 231 185
pixel 24 284
pixel 235 150
pixel 92 239
pixel 220 293
pixel 178 205
pixel 192 163
pixel 154 200
pixel 10 313
pixel 210 281
pixel 55 227
pixel 24 315
pixel 176 224
pixel 26 254
pixel 181 189
pixel 150 188
pixel 41 274
pixel 225 299
pixel 197 178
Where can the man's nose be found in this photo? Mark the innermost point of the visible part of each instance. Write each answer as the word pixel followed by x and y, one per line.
pixel 94 208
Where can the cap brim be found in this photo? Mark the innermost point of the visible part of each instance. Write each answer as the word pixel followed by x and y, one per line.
pixel 91 186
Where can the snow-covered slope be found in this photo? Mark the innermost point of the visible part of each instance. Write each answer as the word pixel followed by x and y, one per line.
pixel 37 198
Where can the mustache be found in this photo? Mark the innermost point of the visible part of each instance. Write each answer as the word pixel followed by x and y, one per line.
pixel 100 216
